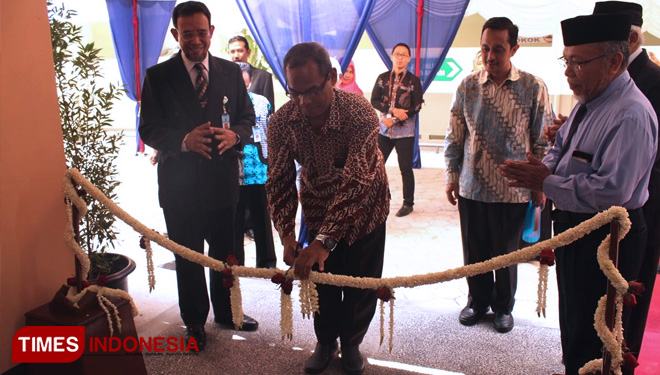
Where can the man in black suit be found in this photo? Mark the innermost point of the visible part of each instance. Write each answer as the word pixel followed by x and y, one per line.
pixel 185 103
pixel 646 75
pixel 262 81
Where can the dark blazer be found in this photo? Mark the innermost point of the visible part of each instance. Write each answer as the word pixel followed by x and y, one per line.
pixel 646 75
pixel 262 84
pixel 170 110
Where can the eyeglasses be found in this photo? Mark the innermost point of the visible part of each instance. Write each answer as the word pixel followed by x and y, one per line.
pixel 400 55
pixel 187 36
pixel 577 65
pixel 293 94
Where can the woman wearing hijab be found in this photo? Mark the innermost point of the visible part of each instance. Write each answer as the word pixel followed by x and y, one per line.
pixel 348 80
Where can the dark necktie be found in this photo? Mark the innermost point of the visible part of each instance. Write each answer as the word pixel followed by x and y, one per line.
pixel 201 84
pixel 579 116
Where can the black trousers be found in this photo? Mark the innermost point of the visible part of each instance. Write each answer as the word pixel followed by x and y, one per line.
pixel 404 151
pixel 647 272
pixel 191 229
pixel 253 197
pixel 348 316
pixel 581 283
pixel 489 230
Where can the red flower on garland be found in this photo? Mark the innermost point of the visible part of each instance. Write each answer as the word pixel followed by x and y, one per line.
pixel 102 280
pixel 285 283
pixel 71 281
pixel 227 278
pixel 635 287
pixel 547 257
pixel 232 261
pixel 287 286
pixel 629 300
pixel 630 361
pixel 143 243
pixel 385 294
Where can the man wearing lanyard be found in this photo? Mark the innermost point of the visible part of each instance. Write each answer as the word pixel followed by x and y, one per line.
pixel 601 158
pixel 186 102
pixel 397 94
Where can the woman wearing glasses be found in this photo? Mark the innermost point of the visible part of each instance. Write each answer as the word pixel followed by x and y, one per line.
pixel 397 95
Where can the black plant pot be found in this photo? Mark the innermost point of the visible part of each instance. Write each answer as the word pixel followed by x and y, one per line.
pixel 124 266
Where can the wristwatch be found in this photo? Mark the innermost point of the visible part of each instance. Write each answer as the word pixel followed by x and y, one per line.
pixel 328 242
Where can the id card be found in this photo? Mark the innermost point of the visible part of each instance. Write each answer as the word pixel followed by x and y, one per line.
pixel 256 134
pixel 225 121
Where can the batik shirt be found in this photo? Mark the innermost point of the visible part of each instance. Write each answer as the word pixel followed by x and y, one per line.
pixel 491 124
pixel 344 191
pixel 407 95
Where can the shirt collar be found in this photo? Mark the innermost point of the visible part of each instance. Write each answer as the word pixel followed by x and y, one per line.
pixel 614 86
pixel 400 74
pixel 634 55
pixel 513 75
pixel 191 65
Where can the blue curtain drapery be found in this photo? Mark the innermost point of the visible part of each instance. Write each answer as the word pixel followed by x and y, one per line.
pixel 278 25
pixel 152 18
pixel 440 22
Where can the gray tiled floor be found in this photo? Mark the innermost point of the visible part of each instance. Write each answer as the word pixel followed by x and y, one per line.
pixel 426 241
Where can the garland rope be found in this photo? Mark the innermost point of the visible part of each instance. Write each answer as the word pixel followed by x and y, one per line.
pixel 151 277
pixel 603 218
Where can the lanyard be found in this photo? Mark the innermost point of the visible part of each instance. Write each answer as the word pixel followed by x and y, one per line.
pixel 395 88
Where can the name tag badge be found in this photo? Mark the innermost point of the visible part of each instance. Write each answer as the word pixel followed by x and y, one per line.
pixel 256 134
pixel 225 121
pixel 582 156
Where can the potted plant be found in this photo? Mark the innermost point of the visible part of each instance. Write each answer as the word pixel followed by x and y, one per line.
pixel 85 107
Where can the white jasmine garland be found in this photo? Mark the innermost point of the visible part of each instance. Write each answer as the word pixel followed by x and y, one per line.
pixel 236 300
pixel 381 304
pixel 151 278
pixel 542 290
pixel 391 324
pixel 310 301
pixel 286 316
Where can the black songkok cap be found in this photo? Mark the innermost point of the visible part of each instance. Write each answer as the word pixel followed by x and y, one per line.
pixel 595 28
pixel 622 7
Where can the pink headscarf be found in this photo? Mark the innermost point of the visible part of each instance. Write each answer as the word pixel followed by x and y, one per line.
pixel 352 85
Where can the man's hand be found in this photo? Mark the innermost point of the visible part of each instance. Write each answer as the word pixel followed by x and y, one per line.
pixel 227 139
pixel 399 113
pixel 538 199
pixel 313 254
pixel 198 140
pixel 550 132
pixel 528 174
pixel 387 121
pixel 452 193
pixel 290 244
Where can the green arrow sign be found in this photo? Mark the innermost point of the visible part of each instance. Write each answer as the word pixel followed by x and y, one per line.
pixel 448 71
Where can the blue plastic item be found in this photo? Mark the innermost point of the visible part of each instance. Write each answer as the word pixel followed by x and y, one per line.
pixel 532 224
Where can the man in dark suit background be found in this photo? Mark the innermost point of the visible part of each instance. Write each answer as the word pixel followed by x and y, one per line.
pixel 183 102
pixel 646 75
pixel 262 81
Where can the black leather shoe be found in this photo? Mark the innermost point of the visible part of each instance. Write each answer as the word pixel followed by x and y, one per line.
pixel 196 331
pixel 404 210
pixel 351 360
pixel 503 323
pixel 470 316
pixel 249 324
pixel 319 361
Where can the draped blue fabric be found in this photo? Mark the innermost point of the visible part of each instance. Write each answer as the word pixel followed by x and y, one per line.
pixel 278 25
pixel 439 26
pixel 153 19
